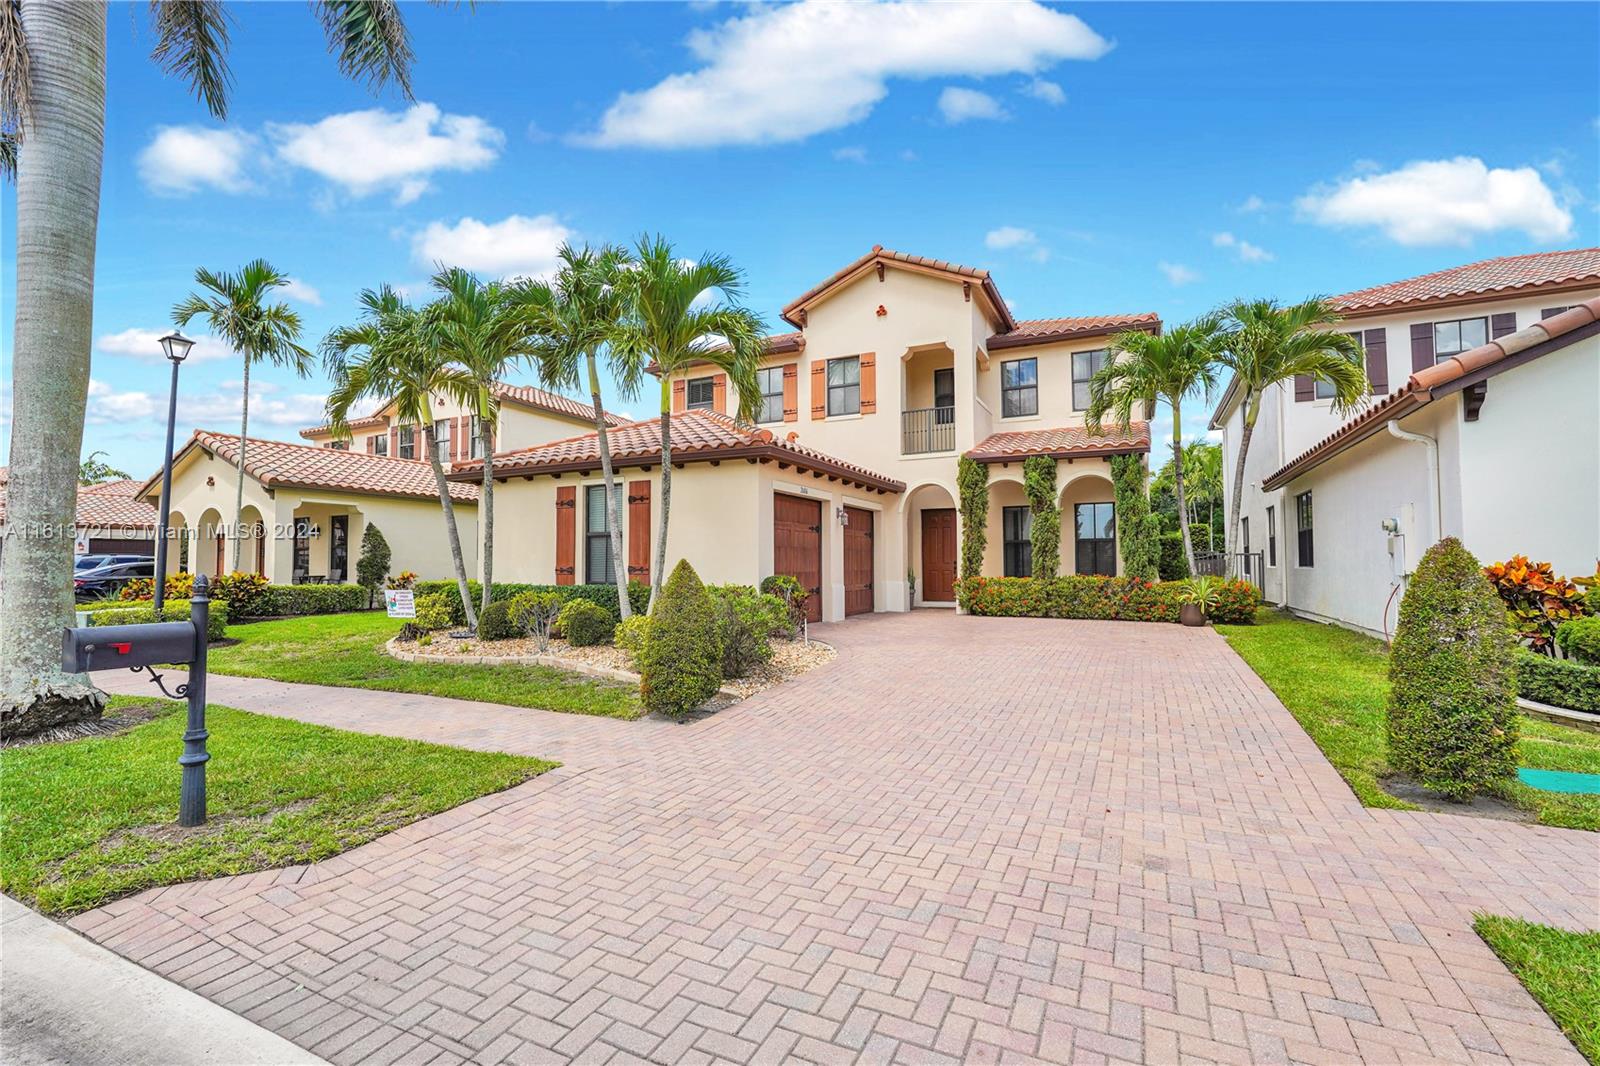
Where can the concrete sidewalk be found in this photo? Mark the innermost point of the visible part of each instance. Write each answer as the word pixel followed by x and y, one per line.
pixel 65 999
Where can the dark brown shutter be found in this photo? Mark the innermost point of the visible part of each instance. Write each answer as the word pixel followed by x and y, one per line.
pixel 1304 388
pixel 566 534
pixel 1421 346
pixel 372 444
pixel 719 393
pixel 869 383
pixel 639 531
pixel 791 392
pixel 1500 325
pixel 680 398
pixel 394 442
pixel 1376 342
pixel 819 389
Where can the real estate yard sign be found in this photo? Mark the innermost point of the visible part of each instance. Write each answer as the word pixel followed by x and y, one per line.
pixel 399 603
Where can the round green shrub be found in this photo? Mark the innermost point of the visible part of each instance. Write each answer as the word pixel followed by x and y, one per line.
pixel 631 634
pixel 433 612
pixel 585 623
pixel 534 612
pixel 681 666
pixel 1452 715
pixel 748 620
pixel 1580 639
pixel 495 622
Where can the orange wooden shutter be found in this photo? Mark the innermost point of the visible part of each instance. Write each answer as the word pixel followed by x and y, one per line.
pixel 394 442
pixel 819 389
pixel 791 392
pixel 680 399
pixel 639 531
pixel 566 534
pixel 455 439
pixel 869 384
pixel 372 445
pixel 719 394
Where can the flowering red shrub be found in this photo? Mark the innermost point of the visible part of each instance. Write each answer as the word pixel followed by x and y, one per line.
pixel 1235 604
pixel 1126 599
pixel 179 587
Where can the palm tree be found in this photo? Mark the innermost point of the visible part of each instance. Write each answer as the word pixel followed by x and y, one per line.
pixel 1151 367
pixel 479 326
pixel 1202 462
pixel 258 331
pixel 52 132
pixel 677 312
pixel 573 317
pixel 1265 344
pixel 391 355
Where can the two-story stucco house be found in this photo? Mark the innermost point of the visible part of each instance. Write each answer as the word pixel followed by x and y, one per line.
pixel 1485 383
pixel 896 366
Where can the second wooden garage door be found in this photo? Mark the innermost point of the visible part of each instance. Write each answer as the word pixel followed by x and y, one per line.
pixel 797 546
pixel 857 561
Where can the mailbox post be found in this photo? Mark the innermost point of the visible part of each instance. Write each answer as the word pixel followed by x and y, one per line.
pixel 144 647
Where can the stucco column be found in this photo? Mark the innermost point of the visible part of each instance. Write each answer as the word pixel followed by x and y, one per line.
pixel 280 546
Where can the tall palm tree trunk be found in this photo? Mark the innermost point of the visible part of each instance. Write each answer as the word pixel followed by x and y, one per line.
pixel 613 498
pixel 486 509
pixel 58 207
pixel 453 534
pixel 1177 484
pixel 666 489
pixel 1248 427
pixel 238 492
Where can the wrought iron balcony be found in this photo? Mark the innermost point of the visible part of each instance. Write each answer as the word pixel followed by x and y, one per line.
pixel 928 429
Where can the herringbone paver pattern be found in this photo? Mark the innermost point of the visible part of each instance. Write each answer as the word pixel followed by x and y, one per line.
pixel 966 839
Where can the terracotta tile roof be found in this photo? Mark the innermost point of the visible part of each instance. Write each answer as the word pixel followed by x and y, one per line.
pixel 355 423
pixel 1061 442
pixel 522 395
pixel 276 462
pixel 880 254
pixel 697 436
pixel 1505 276
pixel 777 344
pixel 1448 376
pixel 108 505
pixel 1045 330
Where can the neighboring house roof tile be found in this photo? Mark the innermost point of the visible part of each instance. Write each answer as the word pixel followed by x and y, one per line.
pixel 920 262
pixel 776 344
pixel 697 436
pixel 1505 276
pixel 522 395
pixel 326 428
pixel 277 463
pixel 1046 330
pixel 1448 376
pixel 108 505
pixel 1061 442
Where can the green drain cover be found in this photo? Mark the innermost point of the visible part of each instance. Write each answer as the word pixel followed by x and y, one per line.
pixel 1560 781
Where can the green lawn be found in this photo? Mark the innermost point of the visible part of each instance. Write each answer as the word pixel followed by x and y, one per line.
pixel 347 650
pixel 1335 683
pixel 1559 969
pixel 86 821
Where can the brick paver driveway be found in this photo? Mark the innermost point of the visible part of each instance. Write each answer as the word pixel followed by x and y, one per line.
pixel 966 839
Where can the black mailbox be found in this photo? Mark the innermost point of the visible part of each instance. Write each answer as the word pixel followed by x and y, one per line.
pixel 130 647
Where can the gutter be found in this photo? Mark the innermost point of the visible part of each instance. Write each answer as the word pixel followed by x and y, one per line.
pixel 1433 475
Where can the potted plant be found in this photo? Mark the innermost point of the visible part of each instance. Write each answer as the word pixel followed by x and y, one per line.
pixel 1196 596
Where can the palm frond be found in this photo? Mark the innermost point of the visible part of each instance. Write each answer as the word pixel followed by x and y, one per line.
pixel 370 39
pixel 16 85
pixel 192 42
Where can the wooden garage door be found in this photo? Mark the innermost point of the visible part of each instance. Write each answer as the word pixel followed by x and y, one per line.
pixel 797 545
pixel 857 561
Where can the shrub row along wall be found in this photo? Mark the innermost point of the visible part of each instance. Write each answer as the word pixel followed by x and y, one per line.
pixel 171 611
pixel 1125 599
pixel 604 595
pixel 1558 682
pixel 250 596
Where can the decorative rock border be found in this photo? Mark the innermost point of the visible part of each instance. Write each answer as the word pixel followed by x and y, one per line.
pixel 393 647
pixel 1559 715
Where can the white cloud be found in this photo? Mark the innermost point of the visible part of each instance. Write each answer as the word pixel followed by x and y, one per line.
pixel 184 159
pixel 785 72
pixel 1247 252
pixel 962 105
pixel 109 406
pixel 220 409
pixel 303 293
pixel 1048 91
pixel 145 344
pixel 516 245
pixel 850 154
pixel 1177 273
pixel 396 151
pixel 1443 201
pixel 1015 238
pixel 1253 204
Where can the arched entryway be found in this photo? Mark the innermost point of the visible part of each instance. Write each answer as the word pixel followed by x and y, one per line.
pixel 253 534
pixel 1089 526
pixel 210 555
pixel 932 532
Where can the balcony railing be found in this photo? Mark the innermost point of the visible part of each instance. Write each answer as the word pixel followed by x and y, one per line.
pixel 928 429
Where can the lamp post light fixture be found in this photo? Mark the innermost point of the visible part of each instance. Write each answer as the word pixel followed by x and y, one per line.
pixel 175 346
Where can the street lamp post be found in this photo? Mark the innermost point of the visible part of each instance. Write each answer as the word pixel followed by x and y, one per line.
pixel 175 346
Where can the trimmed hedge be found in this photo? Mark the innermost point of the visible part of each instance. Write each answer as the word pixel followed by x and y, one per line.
pixel 1125 599
pixel 249 596
pixel 1558 682
pixel 1580 639
pixel 171 611
pixel 286 600
pixel 681 666
pixel 585 623
pixel 604 595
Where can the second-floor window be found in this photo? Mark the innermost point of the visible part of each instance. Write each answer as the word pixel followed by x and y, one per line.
pixel 339 445
pixel 441 438
pixel 700 394
pixel 1019 388
pixel 1323 390
pixel 1302 523
pixel 1085 365
pixel 1017 525
pixel 844 386
pixel 1462 335
pixel 380 443
pixel 406 442
pixel 770 381
pixel 475 438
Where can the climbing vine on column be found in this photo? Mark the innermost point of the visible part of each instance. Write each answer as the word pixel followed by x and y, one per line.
pixel 1138 531
pixel 1039 481
pixel 972 481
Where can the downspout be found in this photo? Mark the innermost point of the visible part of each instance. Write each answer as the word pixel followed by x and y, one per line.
pixel 1433 475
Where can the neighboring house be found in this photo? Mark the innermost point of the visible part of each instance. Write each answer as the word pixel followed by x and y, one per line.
pixel 109 518
pixel 1498 369
pixel 528 416
pixel 306 510
pixel 847 480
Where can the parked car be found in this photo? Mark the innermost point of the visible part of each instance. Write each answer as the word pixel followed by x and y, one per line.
pixel 95 562
pixel 106 581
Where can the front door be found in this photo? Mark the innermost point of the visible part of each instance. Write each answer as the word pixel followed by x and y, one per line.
pixel 939 555
pixel 797 546
pixel 857 561
pixel 339 549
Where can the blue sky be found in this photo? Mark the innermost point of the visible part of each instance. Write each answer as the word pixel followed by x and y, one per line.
pixel 1099 158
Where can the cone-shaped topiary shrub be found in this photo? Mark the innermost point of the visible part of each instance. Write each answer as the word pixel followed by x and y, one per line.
pixel 1452 699
pixel 681 664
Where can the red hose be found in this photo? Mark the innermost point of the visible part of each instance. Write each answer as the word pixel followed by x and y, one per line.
pixel 1386 604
